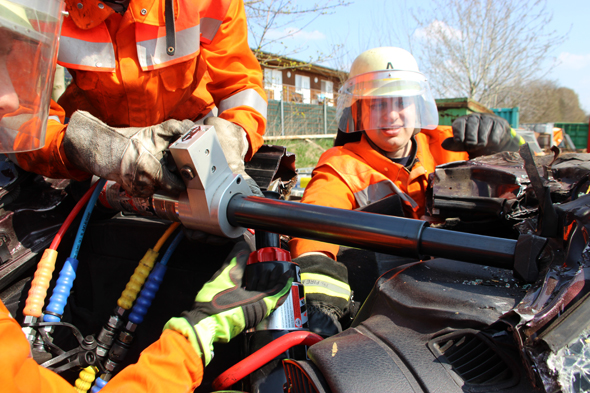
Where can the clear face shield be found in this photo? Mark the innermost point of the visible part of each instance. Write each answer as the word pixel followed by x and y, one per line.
pixel 29 34
pixel 386 100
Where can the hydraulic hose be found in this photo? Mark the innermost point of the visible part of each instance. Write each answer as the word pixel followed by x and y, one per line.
pixel 152 285
pixel 165 236
pixel 138 312
pixel 40 284
pixel 64 283
pixel 85 379
pixel 172 248
pixel 263 356
pixel 86 218
pixel 42 277
pixel 98 384
pixel 64 227
pixel 106 337
pixel 142 270
pixel 147 294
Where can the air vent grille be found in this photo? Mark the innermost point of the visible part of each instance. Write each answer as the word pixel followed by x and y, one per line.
pixel 475 360
pixel 303 377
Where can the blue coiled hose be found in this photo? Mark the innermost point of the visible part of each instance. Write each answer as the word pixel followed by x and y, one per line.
pixel 64 283
pixel 148 292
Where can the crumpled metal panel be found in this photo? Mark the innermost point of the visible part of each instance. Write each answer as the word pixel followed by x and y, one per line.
pixel 273 169
pixel 29 221
pixel 552 320
pixel 549 323
pixel 498 187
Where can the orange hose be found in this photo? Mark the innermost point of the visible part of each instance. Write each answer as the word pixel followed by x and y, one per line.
pixel 40 283
pixel 165 236
pixel 46 266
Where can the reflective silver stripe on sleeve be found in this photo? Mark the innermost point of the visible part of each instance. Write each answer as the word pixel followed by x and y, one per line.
pixel 153 52
pixel 249 98
pixel 211 113
pixel 89 54
pixel 378 191
pixel 209 28
pixel 56 118
pixel 322 284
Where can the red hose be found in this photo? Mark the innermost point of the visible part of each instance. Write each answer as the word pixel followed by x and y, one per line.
pixel 263 356
pixel 64 227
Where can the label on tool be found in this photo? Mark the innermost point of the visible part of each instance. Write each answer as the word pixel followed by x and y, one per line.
pixel 113 196
pixel 292 315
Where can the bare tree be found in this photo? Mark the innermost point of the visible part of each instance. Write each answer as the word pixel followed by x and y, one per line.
pixel 390 25
pixel 482 49
pixel 545 102
pixel 569 106
pixel 271 22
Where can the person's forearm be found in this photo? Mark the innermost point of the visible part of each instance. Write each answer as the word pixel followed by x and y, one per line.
pixel 168 365
pixel 236 76
pixel 51 160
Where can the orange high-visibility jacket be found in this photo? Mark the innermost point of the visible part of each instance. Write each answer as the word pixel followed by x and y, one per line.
pixel 123 75
pixel 168 365
pixel 355 175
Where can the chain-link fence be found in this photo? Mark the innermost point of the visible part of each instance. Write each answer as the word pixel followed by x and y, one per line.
pixel 290 118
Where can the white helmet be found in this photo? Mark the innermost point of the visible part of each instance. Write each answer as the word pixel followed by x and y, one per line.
pixel 384 80
pixel 29 35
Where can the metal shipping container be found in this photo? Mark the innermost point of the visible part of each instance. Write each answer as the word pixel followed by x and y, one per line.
pixel 510 114
pixel 577 131
pixel 451 108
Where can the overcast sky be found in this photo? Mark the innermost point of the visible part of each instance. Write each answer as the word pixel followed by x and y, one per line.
pixel 356 22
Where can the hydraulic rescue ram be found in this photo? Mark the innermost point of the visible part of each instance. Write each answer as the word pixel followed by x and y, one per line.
pixel 220 202
pixel 386 234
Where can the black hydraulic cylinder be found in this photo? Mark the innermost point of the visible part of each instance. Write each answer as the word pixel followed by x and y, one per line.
pixel 375 232
pixel 268 239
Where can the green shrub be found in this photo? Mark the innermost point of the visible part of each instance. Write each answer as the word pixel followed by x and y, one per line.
pixel 307 152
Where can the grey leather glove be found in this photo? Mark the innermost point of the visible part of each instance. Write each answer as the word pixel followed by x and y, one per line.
pixel 235 146
pixel 132 156
pixel 481 134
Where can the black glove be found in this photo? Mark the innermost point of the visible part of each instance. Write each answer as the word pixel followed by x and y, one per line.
pixel 481 134
pixel 327 292
pixel 223 308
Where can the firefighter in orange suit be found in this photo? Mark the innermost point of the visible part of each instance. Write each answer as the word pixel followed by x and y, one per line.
pixel 143 71
pixel 174 363
pixel 394 144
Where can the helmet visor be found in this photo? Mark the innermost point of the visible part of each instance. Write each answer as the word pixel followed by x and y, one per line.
pixel 29 33
pixel 385 100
